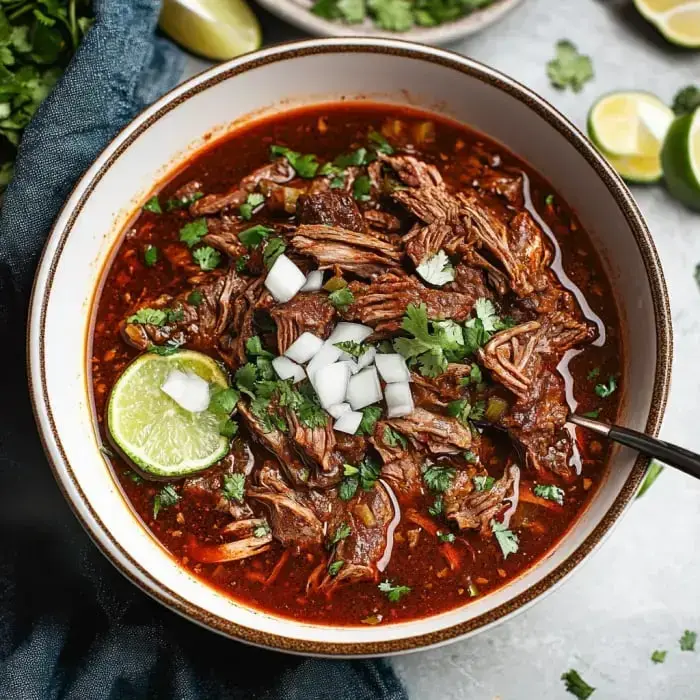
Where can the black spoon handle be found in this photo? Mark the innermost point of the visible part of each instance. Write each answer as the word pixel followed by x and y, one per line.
pixel 678 457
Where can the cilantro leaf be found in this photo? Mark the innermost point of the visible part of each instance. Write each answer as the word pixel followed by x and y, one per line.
pixel 305 166
pixel 658 657
pixel 550 493
pixel 195 297
pixel 352 347
pixel 150 255
pixel 153 205
pixel 224 401
pixel 234 487
pixel 369 473
pixel 252 237
pixel 274 248
pixel 241 263
pixel 166 498
pixel 394 439
pixel 182 202
pixel 245 379
pixel 361 188
pixel 156 317
pixel 341 533
pixel 427 345
pixel 576 685
pixel 486 311
pixel 438 479
pixel 687 641
pixel 348 487
pixel 483 483
pixel 207 258
pixel 445 536
pixel 437 269
pixel 392 15
pixel 370 415
pixel 341 298
pixel 471 456
pixel 228 428
pixel 436 509
pixel 569 68
pixel 170 348
pixel 595 413
pixel 261 530
pixel 605 390
pixel 686 100
pixel 356 158
pixel 253 201
pixel 379 142
pixel 192 233
pixel 335 567
pixel 507 540
pixel 593 373
pixel 254 348
pixel 393 593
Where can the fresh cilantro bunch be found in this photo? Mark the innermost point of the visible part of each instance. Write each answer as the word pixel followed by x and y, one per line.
pixel 37 40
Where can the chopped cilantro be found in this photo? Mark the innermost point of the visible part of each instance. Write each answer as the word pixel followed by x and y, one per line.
pixel 370 415
pixel 549 200
pixel 592 414
pixel 245 379
pixel 150 255
pixel 153 205
pixel 234 487
pixel 228 428
pixel 365 474
pixel 686 100
pixel 436 509
pixel 192 233
pixel 348 488
pixel 393 593
pixel 352 347
pixel 151 317
pixel 195 297
pixel 445 536
pixel 379 142
pixel 463 411
pixel 550 493
pixel 182 202
pixel 252 237
pixel 658 656
pixel 356 158
pixel 134 477
pixel 273 249
pixel 486 311
pixel 224 401
pixel 576 685
pixel 392 15
pixel 507 540
pixel 261 530
pixel 341 533
pixel 335 567
pixel 252 202
pixel 605 390
pixel 483 483
pixel 394 439
pixel 206 257
pixel 305 166
pixel 170 348
pixel 165 498
pixel 687 641
pixel 349 470
pixel 437 269
pixel 593 374
pixel 475 376
pixel 438 479
pixel 471 456
pixel 569 68
pixel 241 263
pixel 341 298
pixel 254 348
pixel 361 188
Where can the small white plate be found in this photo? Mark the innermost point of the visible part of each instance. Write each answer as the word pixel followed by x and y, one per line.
pixel 297 12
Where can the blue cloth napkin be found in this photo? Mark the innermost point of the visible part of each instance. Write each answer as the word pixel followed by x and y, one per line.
pixel 70 626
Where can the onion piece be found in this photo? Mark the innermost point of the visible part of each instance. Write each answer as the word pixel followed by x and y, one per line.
pixel 349 422
pixel 314 281
pixel 352 365
pixel 187 390
pixel 327 355
pixel 304 347
pixel 364 389
pixel 286 369
pixel 284 280
pixel 337 410
pixel 515 473
pixel 367 358
pixel 399 400
pixel 331 383
pixel 393 368
pixel 349 331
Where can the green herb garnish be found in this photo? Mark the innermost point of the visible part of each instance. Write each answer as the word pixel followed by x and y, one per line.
pixel 195 297
pixel 438 479
pixel 341 533
pixel 335 567
pixel 207 258
pixel 687 641
pixel 576 685
pixel 445 536
pixel 658 657
pixel 361 188
pixel 507 540
pixel 273 249
pixel 569 68
pixel 253 201
pixel 182 202
pixel 550 493
pixel 150 255
pixel 605 390
pixel 370 416
pixel 393 592
pixel 352 347
pixel 192 233
pixel 153 205
pixel 261 530
pixel 341 298
pixel 234 487
pixel 394 439
pixel 305 165
pixel 436 509
pixel 252 237
pixel 166 498
pixel 483 483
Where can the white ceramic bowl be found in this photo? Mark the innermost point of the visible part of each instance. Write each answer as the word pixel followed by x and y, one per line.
pixel 297 12
pixel 155 143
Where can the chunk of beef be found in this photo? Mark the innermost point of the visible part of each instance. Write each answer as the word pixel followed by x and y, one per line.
pixel 330 208
pixel 279 172
pixel 401 465
pixel 368 515
pixel 351 447
pixel 474 510
pixel 413 172
pixel 382 220
pixel 185 192
pixel 240 329
pixel 315 445
pixel 293 521
pixel 362 253
pixel 382 303
pixel 439 391
pixel 223 235
pixel 469 281
pixel 438 434
pixel 199 326
pixel 229 551
pixel 310 312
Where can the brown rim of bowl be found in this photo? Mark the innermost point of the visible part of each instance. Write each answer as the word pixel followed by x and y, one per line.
pixel 147 582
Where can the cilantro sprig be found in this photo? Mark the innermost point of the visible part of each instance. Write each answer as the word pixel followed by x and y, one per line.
pixel 569 68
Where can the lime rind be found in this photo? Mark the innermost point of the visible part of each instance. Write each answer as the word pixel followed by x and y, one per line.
pixel 152 430
pixel 681 159
pixel 679 14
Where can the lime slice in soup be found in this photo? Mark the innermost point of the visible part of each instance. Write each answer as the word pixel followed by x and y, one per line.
pixel 629 129
pixel 681 159
pixel 152 429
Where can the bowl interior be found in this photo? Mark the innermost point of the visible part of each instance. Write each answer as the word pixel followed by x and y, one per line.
pixel 279 78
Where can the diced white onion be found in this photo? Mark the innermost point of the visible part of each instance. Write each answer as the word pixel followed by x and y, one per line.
pixel 367 358
pixel 314 281
pixel 364 389
pixel 304 347
pixel 327 355
pixel 286 369
pixel 285 279
pixel 352 366
pixel 349 331
pixel 349 422
pixel 399 400
pixel 393 368
pixel 331 383
pixel 187 390
pixel 338 409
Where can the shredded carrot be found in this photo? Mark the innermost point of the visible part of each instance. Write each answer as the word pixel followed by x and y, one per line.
pixel 451 555
pixel 278 567
pixel 528 497
pixel 426 523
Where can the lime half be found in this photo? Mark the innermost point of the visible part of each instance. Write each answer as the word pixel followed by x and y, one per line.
pixel 158 435
pixel 629 129
pixel 681 159
pixel 677 20
pixel 215 29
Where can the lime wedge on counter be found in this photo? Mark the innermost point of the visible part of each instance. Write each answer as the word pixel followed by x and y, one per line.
pixel 681 159
pixel 152 430
pixel 677 20
pixel 215 29
pixel 629 129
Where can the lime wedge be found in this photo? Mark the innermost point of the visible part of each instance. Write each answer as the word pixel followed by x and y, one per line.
pixel 629 129
pixel 681 159
pixel 152 430
pixel 677 20
pixel 215 29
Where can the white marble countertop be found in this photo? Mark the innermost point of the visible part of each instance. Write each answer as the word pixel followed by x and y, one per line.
pixel 642 588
